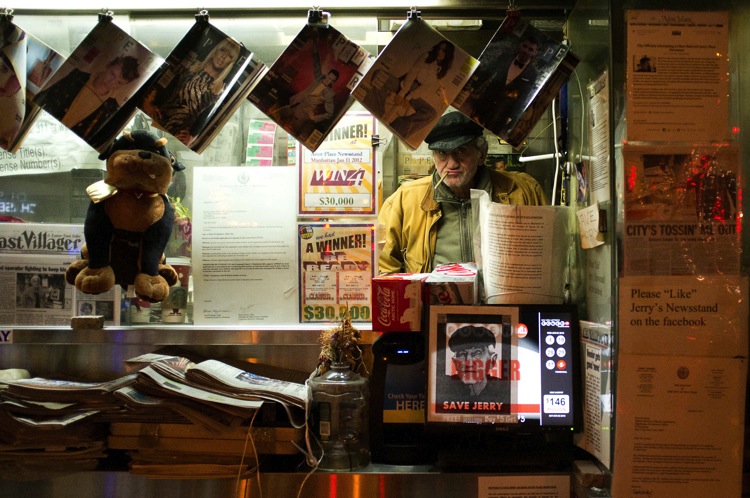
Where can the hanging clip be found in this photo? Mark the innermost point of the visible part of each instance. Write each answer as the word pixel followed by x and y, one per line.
pixel 6 14
pixel 512 10
pixel 413 14
pixel 105 15
pixel 202 15
pixel 317 17
pixel 377 141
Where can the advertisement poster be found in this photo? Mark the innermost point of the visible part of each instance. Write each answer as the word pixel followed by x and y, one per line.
pixel 691 449
pixel 699 315
pixel 682 210
pixel 336 270
pixel 244 261
pixel 339 177
pixel 596 352
pixel 677 83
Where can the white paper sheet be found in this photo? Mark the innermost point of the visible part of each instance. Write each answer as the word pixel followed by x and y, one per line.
pixel 244 261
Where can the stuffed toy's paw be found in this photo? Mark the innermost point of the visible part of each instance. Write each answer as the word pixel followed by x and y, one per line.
pixel 95 281
pixel 169 274
pixel 153 289
pixel 74 269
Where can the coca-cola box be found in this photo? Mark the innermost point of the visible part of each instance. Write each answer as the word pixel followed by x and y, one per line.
pixel 454 283
pixel 397 302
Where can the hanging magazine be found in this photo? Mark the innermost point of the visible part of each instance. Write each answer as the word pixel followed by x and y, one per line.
pixel 88 91
pixel 521 71
pixel 12 81
pixel 204 80
pixel 414 80
pixel 41 62
pixel 308 89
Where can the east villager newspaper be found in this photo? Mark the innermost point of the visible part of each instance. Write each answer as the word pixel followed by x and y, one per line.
pixel 32 277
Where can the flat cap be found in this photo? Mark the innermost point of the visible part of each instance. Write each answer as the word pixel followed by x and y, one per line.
pixel 451 131
pixel 470 335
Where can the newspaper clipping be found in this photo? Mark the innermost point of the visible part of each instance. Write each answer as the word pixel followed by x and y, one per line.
pixel 677 67
pixel 34 260
pixel 682 212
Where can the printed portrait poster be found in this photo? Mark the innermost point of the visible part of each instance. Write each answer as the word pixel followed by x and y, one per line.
pixel 205 79
pixel 92 85
pixel 336 268
pixel 339 177
pixel 414 80
pixel 677 66
pixel 521 71
pixel 468 346
pixel 308 89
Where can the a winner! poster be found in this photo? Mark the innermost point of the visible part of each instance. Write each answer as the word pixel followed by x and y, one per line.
pixel 336 270
pixel 339 177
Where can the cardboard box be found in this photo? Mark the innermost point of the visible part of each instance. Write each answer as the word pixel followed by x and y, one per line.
pixel 397 302
pixel 455 283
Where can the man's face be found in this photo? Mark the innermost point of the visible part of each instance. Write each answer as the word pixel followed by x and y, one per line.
pixel 473 363
pixel 330 79
pixel 111 78
pixel 460 164
pixel 527 50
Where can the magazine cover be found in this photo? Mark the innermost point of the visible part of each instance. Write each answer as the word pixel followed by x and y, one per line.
pixel 308 88
pixel 414 80
pixel 41 62
pixel 519 74
pixel 12 81
pixel 87 92
pixel 204 80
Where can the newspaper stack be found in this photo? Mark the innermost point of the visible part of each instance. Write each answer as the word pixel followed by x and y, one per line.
pixel 50 427
pixel 167 450
pixel 227 424
pixel 219 385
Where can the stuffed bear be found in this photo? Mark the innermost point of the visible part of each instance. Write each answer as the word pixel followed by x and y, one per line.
pixel 129 221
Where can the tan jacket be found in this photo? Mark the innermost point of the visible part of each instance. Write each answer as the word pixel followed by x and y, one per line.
pixel 410 214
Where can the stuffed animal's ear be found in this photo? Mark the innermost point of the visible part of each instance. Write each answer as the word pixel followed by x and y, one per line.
pixel 104 155
pixel 176 165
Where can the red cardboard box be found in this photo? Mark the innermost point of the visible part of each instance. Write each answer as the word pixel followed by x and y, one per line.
pixel 397 302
